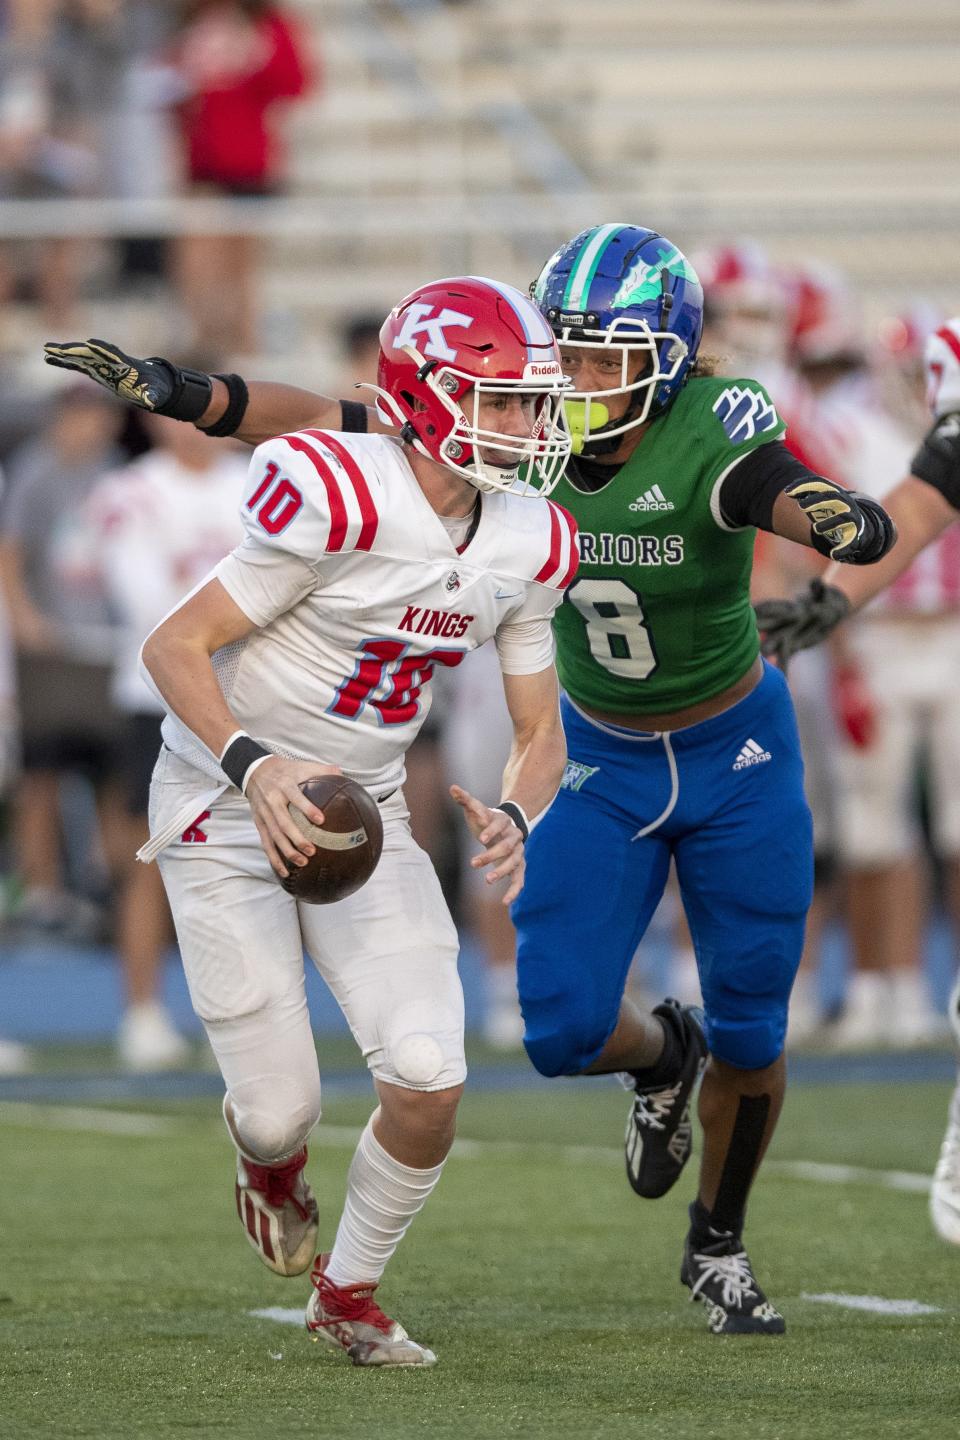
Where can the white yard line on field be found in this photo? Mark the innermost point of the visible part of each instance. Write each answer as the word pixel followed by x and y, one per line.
pixel 281 1315
pixel 344 1137
pixel 26 1115
pixel 851 1175
pixel 875 1303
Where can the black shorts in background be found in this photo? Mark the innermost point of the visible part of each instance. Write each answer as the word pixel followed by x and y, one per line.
pixel 139 749
pixel 67 716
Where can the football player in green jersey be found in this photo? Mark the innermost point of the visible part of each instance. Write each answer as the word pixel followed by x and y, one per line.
pixel 682 742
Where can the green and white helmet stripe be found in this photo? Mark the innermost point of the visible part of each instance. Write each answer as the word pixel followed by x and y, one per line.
pixel 586 266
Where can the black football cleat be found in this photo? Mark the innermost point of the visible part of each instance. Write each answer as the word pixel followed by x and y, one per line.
pixel 659 1134
pixel 720 1276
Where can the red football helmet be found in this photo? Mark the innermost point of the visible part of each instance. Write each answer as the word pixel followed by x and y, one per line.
pixel 450 346
pixel 942 360
pixel 826 323
pixel 747 300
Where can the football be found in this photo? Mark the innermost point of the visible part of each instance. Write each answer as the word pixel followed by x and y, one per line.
pixel 348 843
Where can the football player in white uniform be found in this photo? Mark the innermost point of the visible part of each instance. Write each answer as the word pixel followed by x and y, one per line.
pixel 922 506
pixel 367 562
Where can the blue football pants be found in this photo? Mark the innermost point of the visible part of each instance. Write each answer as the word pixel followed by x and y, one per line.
pixel 725 800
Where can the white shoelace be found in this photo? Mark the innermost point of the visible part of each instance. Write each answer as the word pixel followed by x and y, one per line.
pixel 733 1271
pixel 654 1108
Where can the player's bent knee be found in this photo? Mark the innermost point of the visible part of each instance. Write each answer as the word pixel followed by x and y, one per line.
pixel 563 1050
pixel 425 1060
pixel 747 1044
pixel 418 1059
pixel 421 1045
pixel 272 1116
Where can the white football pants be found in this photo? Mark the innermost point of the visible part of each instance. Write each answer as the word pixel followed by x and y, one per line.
pixel 388 953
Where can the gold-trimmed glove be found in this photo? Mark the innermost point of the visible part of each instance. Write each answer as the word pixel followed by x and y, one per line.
pixel 152 384
pixel 846 526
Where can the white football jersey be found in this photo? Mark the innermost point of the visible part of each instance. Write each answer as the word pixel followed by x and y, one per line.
pixel 160 527
pixel 359 595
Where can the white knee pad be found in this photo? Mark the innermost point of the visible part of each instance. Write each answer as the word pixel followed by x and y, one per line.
pixel 271 1116
pixel 423 1049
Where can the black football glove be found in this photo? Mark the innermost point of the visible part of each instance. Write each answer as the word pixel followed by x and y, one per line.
pixel 845 525
pixel 787 626
pixel 153 384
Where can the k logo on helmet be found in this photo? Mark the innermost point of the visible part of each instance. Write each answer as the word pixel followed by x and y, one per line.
pixel 418 321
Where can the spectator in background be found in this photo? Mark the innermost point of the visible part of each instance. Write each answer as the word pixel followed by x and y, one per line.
pixel 163 523
pixel 14 1057
pixel 475 742
pixel 360 342
pixel 61 627
pixel 63 69
pixel 236 60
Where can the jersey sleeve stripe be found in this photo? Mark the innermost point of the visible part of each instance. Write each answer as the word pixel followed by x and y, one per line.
pixel 547 571
pixel 369 520
pixel 338 510
pixel 571 525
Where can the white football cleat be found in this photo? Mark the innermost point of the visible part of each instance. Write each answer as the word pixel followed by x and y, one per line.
pixel 278 1213
pixel 349 1319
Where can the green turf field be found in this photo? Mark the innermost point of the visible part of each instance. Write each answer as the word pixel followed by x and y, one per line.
pixel 549 1292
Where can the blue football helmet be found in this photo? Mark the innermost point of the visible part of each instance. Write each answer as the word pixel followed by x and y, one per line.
pixel 631 290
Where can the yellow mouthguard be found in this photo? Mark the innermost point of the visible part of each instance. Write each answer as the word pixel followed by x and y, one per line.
pixel 584 417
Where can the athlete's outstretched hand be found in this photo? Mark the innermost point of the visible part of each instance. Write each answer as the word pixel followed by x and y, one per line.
pixel 787 626
pixel 845 525
pixel 152 384
pixel 501 839
pixel 273 787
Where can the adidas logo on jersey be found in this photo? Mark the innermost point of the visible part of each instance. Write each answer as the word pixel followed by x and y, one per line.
pixel 652 499
pixel 751 754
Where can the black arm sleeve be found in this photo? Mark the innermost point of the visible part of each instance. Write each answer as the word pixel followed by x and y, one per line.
pixel 938 459
pixel 353 416
pixel 748 492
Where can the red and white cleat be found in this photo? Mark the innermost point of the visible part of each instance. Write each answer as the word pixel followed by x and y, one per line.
pixel 278 1213
pixel 349 1319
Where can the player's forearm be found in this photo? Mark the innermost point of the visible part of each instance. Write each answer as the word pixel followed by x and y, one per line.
pixel 535 768
pixel 274 409
pixel 181 672
pixel 920 514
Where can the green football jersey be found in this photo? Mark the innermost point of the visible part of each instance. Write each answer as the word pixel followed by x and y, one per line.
pixel 659 616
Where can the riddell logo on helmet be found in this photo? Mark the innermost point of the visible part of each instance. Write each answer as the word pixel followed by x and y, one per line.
pixel 550 368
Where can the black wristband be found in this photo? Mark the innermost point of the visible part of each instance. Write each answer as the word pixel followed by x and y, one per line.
pixel 239 755
pixel 353 416
pixel 509 807
pixel 238 398
pixel 191 390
